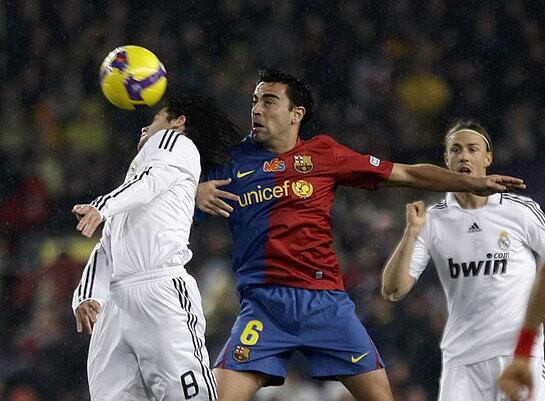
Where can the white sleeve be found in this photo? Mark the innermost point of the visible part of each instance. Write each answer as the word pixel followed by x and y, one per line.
pixel 169 158
pixel 421 255
pixel 535 226
pixel 95 280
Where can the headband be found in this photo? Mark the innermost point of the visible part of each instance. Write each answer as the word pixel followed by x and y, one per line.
pixel 472 131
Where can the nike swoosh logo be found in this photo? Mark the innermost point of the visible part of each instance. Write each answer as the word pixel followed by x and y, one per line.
pixel 242 175
pixel 356 359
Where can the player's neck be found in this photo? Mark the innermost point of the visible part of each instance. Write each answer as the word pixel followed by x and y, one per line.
pixel 284 145
pixel 470 201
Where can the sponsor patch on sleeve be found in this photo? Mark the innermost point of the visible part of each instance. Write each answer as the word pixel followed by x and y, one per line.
pixel 374 161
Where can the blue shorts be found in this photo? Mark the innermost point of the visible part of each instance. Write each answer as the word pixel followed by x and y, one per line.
pixel 276 321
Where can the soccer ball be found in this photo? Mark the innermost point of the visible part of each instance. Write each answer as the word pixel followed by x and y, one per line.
pixel 131 77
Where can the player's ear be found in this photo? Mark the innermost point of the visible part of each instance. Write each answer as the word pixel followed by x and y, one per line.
pixel 488 160
pixel 179 122
pixel 298 114
pixel 445 158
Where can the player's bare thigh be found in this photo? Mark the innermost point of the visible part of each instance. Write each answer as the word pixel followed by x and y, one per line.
pixel 369 386
pixel 238 386
pixel 242 386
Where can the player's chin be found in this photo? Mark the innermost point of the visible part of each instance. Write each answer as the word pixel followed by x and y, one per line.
pixel 260 134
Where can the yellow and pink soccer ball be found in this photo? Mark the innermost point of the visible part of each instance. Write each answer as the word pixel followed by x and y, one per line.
pixel 132 77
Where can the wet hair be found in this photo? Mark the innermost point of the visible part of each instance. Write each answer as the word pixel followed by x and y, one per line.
pixel 466 124
pixel 212 132
pixel 298 91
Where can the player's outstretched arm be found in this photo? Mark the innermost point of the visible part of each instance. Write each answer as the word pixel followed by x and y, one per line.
pixel 396 280
pixel 209 198
pixel 517 377
pixel 434 178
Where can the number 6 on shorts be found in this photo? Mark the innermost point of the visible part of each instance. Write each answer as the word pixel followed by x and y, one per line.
pixel 250 335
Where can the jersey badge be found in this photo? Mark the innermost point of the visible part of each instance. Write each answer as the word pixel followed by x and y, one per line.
pixel 374 161
pixel 302 189
pixel 275 165
pixel 303 164
pixel 504 241
pixel 241 354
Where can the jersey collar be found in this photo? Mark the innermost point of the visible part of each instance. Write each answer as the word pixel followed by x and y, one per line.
pixel 495 199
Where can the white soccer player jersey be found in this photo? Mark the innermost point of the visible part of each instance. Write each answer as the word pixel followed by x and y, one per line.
pixel 148 218
pixel 486 262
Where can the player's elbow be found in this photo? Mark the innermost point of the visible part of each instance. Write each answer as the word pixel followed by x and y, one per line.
pixel 391 294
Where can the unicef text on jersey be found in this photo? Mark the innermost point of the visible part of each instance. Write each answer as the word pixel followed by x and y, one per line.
pixel 494 264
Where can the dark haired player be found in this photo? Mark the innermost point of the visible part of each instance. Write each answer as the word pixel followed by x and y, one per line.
pixel 135 296
pixel 291 289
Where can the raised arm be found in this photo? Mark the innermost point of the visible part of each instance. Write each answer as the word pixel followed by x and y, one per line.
pixel 517 377
pixel 434 178
pixel 163 168
pixel 396 280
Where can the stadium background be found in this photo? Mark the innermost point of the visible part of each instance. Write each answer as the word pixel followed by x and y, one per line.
pixel 388 77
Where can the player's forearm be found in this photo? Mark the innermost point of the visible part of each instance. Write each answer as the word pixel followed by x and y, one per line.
pixel 431 178
pixel 396 280
pixel 535 314
pixel 95 279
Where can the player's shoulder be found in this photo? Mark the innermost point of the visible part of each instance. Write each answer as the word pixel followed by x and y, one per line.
pixel 518 199
pixel 168 141
pixel 523 203
pixel 438 207
pixel 322 138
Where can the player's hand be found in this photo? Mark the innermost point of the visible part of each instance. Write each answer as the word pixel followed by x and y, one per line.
pixel 516 380
pixel 209 198
pixel 86 315
pixel 416 215
pixel 89 219
pixel 492 184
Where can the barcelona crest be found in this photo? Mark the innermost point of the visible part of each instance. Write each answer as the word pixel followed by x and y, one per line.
pixel 303 164
pixel 241 354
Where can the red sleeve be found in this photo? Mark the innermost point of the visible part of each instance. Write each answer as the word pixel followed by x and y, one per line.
pixel 357 170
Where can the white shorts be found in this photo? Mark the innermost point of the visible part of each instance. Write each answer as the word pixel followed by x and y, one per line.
pixel 478 381
pixel 148 342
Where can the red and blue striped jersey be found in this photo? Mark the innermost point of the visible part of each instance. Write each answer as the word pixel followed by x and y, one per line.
pixel 281 226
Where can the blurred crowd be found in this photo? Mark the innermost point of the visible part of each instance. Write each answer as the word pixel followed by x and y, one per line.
pixel 388 77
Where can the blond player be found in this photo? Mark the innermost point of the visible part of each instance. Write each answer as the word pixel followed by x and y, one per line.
pixel 483 250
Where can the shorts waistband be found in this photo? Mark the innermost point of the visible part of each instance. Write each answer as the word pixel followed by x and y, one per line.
pixel 148 276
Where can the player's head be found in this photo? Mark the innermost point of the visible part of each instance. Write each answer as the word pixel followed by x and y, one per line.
pixel 212 132
pixel 468 148
pixel 161 120
pixel 200 119
pixel 281 104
